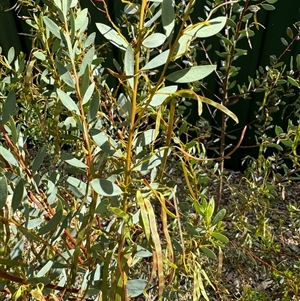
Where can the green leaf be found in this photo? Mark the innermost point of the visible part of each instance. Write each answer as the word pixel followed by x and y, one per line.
pixel 278 130
pixel 289 33
pixel 168 18
pixel 113 36
pixel 88 93
pixel 67 101
pixel 272 1
pixel 79 186
pixel 8 156
pixel 105 187
pixel 81 21
pixel 65 75
pixel 157 61
pixel 200 30
pixel 129 65
pixel 218 217
pixel 107 144
pixel 87 61
pixel 40 55
pixel 145 138
pixel 182 46
pixel 220 237
pixel 267 6
pixel 120 213
pixel 191 74
pixel 17 195
pixel 135 287
pixel 52 224
pixel 162 94
pixel 154 40
pixel 52 26
pixel 209 253
pixel 45 269
pixel 37 162
pixel 298 60
pixel 124 106
pixel 94 106
pixel 3 192
pixel 9 106
pixel 151 161
pixel 293 82
pixel 11 55
pixel 275 146
pixel 72 160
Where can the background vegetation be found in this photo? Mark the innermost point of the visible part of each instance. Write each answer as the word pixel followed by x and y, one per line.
pixel 110 190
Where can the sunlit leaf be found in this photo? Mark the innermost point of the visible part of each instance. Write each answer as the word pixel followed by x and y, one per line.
pixel 67 101
pixel 154 40
pixel 157 61
pixel 82 20
pixel 72 160
pixel 88 93
pixel 162 94
pixel 191 74
pixel 45 269
pixel 52 26
pixel 112 35
pixel 129 64
pixel 203 30
pixel 168 18
pixel 105 187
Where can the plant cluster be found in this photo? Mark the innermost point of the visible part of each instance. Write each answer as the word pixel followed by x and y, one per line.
pixel 90 206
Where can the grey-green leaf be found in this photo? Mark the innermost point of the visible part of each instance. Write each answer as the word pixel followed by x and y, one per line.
pixel 129 64
pixel 9 106
pixel 219 216
pixel 191 74
pixel 209 253
pixel 37 162
pixel 112 35
pixel 8 156
pixel 135 287
pixel 67 101
pixel 65 75
pixel 105 187
pixel 88 93
pixel 157 61
pixel 168 18
pixel 151 161
pixel 53 223
pixel 162 94
pixel 82 20
pixel 52 26
pixel 3 192
pixel 72 160
pixel 154 40
pixel 204 31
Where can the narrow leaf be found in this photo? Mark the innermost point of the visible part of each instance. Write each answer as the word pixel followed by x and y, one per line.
pixel 37 162
pixel 18 195
pixel 113 36
pixel 191 74
pixel 9 106
pixel 67 101
pixel 157 61
pixel 52 26
pixel 219 216
pixel 81 20
pixel 168 18
pixel 162 94
pixel 8 156
pixel 72 160
pixel 220 237
pixel 129 65
pixel 88 93
pixel 209 253
pixel 53 223
pixel 203 30
pixel 3 192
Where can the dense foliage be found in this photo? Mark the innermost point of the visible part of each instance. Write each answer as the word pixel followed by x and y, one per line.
pixel 104 183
